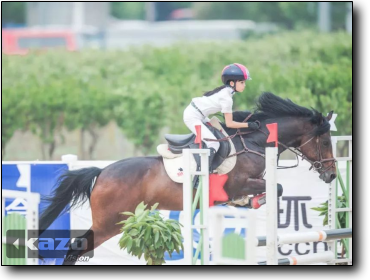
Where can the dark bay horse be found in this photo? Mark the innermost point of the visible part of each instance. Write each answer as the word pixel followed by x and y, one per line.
pixel 122 185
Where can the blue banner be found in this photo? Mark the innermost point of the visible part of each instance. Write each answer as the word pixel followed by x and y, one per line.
pixel 36 178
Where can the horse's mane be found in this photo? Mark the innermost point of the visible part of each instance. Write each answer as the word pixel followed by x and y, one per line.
pixel 270 106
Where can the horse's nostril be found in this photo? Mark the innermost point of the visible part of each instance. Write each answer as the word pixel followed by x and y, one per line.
pixel 333 176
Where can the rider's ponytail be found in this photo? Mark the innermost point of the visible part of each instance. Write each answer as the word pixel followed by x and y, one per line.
pixel 209 93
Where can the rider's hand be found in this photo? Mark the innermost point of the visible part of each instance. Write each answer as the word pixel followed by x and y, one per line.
pixel 252 126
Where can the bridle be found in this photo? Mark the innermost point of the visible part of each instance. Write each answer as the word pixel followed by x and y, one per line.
pixel 316 165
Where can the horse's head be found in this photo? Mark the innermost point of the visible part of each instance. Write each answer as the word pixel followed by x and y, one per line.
pixel 317 148
pixel 304 129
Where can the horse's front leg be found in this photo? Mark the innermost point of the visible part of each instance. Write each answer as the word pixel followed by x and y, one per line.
pixel 253 187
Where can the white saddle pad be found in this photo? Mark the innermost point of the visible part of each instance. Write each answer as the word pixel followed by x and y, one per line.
pixel 173 163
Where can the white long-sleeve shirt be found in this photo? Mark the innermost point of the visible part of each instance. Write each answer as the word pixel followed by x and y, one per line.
pixel 221 101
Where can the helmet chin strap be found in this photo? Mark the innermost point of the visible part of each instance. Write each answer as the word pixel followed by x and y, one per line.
pixel 234 87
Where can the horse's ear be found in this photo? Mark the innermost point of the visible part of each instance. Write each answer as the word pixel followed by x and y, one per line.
pixel 328 117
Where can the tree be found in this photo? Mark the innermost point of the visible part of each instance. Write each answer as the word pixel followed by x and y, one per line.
pixel 136 10
pixel 291 15
pixel 45 111
pixel 88 109
pixel 128 10
pixel 13 116
pixel 141 118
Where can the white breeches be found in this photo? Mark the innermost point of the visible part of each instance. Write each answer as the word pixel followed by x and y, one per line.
pixel 192 118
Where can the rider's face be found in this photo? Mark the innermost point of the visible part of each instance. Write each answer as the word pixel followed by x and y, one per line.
pixel 240 85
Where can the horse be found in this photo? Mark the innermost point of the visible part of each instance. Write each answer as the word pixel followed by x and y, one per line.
pixel 122 185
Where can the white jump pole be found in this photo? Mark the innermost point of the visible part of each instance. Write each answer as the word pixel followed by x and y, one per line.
pixel 189 206
pixel 314 236
pixel 190 203
pixel 271 206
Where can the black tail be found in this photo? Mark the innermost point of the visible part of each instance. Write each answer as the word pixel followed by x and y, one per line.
pixel 73 186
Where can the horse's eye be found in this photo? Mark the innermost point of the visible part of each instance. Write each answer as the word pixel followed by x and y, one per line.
pixel 325 143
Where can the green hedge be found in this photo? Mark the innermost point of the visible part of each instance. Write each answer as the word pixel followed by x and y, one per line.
pixel 145 89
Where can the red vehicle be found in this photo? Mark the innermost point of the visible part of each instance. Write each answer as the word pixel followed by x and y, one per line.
pixel 20 41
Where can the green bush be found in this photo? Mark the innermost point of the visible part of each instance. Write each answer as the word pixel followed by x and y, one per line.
pixel 146 89
pixel 146 232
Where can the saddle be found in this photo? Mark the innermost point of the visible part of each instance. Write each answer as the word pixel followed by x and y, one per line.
pixel 172 152
pixel 176 143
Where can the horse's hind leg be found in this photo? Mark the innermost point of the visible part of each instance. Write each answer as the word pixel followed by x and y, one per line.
pixel 105 209
pixel 92 239
pixel 82 241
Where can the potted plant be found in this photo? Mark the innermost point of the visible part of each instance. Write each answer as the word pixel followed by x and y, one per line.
pixel 146 233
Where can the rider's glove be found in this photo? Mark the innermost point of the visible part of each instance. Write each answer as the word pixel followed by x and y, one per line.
pixel 252 126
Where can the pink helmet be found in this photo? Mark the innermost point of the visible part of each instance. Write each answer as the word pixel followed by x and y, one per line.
pixel 235 72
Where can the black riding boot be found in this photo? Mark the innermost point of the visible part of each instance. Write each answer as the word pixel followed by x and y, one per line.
pixel 211 157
